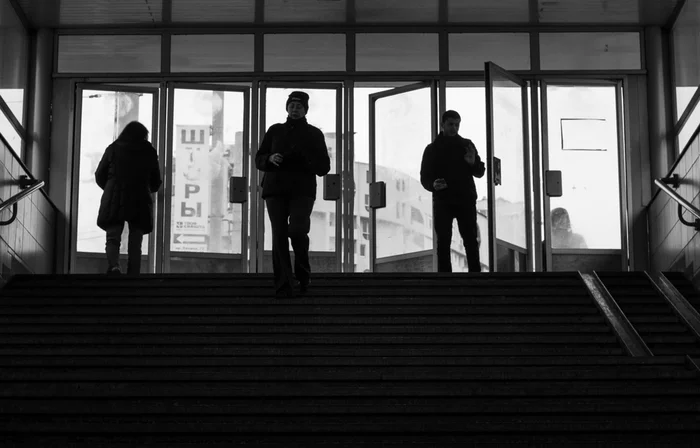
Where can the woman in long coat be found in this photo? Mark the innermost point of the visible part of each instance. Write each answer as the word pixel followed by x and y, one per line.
pixel 129 174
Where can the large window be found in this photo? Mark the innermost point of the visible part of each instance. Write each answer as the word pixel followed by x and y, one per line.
pixel 590 51
pixel 14 53
pixel 469 51
pixel 304 52
pixel 397 51
pixel 109 54
pixel 582 143
pixel 686 53
pixel 211 53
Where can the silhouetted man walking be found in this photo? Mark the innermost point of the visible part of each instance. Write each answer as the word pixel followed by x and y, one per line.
pixel 292 154
pixel 448 169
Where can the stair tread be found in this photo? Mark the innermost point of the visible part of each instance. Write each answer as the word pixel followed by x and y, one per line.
pixel 287 328
pixel 326 373
pixel 517 437
pixel 306 339
pixel 298 308
pixel 330 291
pixel 351 388
pixel 346 423
pixel 420 361
pixel 378 301
pixel 464 406
pixel 349 350
pixel 277 319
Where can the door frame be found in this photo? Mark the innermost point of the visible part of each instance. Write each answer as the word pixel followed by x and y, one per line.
pixel 164 215
pixel 489 69
pixel 373 98
pixel 155 139
pixel 257 231
pixel 621 156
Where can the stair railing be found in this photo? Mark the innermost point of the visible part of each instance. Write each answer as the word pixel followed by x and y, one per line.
pixel 27 187
pixel 682 203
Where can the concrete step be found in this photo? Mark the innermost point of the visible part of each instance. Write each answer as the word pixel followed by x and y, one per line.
pixel 194 300
pixel 481 362
pixel 299 307
pixel 346 372
pixel 308 339
pixel 518 436
pixel 377 406
pixel 301 328
pixel 308 319
pixel 267 291
pixel 541 349
pixel 313 423
pixel 668 388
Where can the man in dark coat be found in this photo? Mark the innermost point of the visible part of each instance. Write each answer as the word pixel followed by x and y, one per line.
pixel 291 155
pixel 448 169
pixel 129 174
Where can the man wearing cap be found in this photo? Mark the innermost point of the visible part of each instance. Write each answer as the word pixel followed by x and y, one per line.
pixel 291 155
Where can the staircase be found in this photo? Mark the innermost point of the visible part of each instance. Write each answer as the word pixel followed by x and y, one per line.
pixel 653 317
pixel 363 361
pixel 685 287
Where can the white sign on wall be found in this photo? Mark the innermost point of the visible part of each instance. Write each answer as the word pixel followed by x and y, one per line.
pixel 190 228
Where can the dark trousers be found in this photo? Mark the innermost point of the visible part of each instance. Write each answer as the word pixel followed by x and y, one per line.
pixel 290 218
pixel 444 212
pixel 114 239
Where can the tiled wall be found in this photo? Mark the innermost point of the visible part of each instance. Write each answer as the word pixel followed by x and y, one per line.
pixel 674 246
pixel 26 245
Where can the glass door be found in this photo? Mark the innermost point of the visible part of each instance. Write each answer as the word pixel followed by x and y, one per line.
pixel 508 171
pixel 583 220
pixel 325 113
pixel 402 123
pixel 102 112
pixel 207 150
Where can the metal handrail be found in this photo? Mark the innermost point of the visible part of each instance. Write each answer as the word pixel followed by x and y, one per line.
pixel 28 187
pixel 682 203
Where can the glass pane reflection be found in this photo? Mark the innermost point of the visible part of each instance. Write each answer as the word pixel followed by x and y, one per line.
pixel 404 228
pixel 509 203
pixel 587 215
pixel 207 150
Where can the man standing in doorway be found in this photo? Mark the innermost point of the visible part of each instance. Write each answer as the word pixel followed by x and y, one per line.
pixel 448 169
pixel 291 155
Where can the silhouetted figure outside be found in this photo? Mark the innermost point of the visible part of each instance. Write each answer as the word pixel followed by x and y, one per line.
pixel 562 235
pixel 448 168
pixel 129 174
pixel 291 155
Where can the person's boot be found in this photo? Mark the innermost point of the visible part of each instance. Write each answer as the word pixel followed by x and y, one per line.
pixel 114 270
pixel 285 292
pixel 304 286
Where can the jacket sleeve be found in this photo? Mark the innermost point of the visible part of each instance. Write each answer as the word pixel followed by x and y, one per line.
pixel 427 169
pixel 320 162
pixel 478 169
pixel 155 177
pixel 102 172
pixel 262 157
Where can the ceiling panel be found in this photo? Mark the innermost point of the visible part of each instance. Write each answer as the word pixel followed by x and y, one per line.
pixel 86 13
pixel 66 13
pixel 386 11
pixel 298 11
pixel 645 12
pixel 220 11
pixel 480 11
